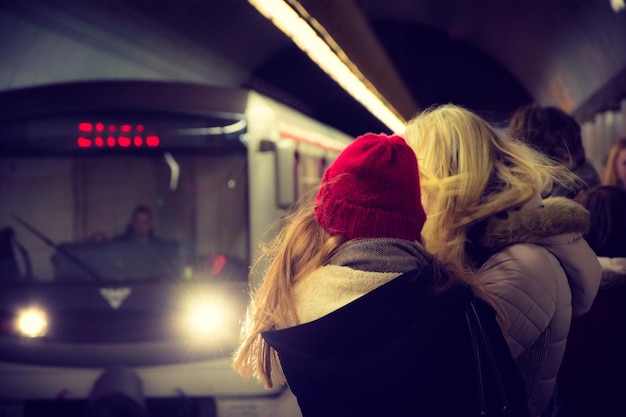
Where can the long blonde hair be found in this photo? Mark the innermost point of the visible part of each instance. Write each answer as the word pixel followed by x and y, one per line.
pixel 609 176
pixel 300 247
pixel 469 173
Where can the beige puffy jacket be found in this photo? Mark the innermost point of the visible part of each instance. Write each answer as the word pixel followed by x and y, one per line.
pixel 541 271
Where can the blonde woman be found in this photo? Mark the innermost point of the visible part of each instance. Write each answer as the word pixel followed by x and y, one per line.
pixel 482 196
pixel 358 318
pixel 615 171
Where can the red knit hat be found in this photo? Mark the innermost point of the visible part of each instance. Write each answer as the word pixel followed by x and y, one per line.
pixel 372 190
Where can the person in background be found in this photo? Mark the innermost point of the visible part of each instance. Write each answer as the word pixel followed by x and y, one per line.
pixel 140 227
pixel 358 317
pixel 557 134
pixel 482 196
pixel 15 262
pixel 591 380
pixel 615 170
pixel 607 233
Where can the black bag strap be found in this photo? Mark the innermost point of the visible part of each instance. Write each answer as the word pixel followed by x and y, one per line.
pixel 480 339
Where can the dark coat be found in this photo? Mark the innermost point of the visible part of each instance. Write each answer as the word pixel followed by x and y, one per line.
pixel 592 378
pixel 400 350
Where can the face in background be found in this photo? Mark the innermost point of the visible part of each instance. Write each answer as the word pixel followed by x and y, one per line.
pixel 141 226
pixel 620 167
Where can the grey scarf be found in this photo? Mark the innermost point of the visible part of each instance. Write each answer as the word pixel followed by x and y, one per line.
pixel 382 255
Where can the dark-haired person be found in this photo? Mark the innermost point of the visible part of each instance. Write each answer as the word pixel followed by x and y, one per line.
pixel 557 134
pixel 140 228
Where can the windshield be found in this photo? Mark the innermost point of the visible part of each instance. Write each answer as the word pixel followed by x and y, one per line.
pixel 115 217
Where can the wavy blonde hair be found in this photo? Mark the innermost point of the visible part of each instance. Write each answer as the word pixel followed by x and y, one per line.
pixel 469 173
pixel 300 247
pixel 609 176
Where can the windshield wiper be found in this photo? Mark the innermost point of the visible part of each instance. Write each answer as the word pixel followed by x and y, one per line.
pixel 92 274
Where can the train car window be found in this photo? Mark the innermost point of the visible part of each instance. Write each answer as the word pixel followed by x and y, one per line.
pixel 309 174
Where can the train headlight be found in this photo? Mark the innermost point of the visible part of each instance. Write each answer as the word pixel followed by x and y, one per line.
pixel 206 316
pixel 32 322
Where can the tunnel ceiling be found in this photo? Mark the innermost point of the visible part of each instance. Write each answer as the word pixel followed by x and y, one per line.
pixel 488 55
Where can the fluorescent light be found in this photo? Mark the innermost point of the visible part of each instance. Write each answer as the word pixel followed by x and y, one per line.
pixel 303 35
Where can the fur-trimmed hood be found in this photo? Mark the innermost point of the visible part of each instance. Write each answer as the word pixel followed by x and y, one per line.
pixel 534 222
pixel 556 224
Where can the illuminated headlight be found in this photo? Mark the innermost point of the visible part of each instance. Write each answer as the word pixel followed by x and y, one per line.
pixel 32 322
pixel 205 317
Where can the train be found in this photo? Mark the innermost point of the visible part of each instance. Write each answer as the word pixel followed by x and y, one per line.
pixel 209 117
pixel 88 316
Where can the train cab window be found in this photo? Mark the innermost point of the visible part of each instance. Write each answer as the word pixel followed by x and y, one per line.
pixel 70 213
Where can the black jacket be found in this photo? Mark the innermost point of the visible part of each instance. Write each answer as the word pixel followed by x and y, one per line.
pixel 400 350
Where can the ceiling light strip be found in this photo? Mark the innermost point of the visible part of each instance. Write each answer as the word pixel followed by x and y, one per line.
pixel 307 39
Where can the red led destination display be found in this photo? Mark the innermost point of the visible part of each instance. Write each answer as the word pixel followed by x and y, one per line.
pixel 107 135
